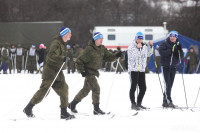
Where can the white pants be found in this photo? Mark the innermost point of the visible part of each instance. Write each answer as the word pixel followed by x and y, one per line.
pixel 40 66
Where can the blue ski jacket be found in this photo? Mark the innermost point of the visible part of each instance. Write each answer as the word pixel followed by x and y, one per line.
pixel 165 50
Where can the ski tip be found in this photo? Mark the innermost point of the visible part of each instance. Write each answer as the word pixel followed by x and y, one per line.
pixel 108 113
pixel 135 114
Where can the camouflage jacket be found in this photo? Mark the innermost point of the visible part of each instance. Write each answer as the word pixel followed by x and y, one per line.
pixel 4 56
pixel 69 54
pixel 54 59
pixel 193 58
pixel 56 53
pixel 92 57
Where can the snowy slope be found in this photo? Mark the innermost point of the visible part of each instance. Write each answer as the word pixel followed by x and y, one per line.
pixel 17 89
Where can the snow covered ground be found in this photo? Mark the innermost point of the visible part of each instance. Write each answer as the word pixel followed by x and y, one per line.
pixel 17 89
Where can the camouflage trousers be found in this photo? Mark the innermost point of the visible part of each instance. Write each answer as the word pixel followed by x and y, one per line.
pixel 60 87
pixel 89 84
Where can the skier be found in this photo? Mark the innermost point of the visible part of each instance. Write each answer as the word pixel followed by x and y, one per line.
pixel 13 57
pixel 4 59
pixel 54 60
pixel 41 55
pixel 31 63
pixel 19 58
pixel 120 66
pixel 170 52
pixel 137 60
pixel 88 64
pixel 70 59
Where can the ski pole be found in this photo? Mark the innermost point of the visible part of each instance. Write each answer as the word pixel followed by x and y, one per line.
pixel 196 97
pixel 121 67
pixel 54 80
pixel 197 67
pixel 15 62
pixel 183 80
pixel 26 61
pixel 109 94
pixel 156 69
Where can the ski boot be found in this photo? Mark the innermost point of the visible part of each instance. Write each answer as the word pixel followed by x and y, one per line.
pixel 171 105
pixel 134 107
pixel 37 71
pixel 139 105
pixel 28 110
pixel 5 72
pixel 72 106
pixel 97 110
pixel 65 115
pixel 165 104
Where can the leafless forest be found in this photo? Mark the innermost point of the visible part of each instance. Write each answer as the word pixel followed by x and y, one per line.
pixel 82 15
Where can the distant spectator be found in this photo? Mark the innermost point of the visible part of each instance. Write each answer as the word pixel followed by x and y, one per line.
pixel 31 63
pixel 192 58
pixel 41 55
pixel 4 60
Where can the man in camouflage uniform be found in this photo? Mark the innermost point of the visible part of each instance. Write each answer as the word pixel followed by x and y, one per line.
pixel 88 64
pixel 4 59
pixel 192 59
pixel 121 61
pixel 76 52
pixel 31 59
pixel 19 59
pixel 70 60
pixel 12 53
pixel 55 58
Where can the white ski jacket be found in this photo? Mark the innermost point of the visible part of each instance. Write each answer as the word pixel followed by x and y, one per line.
pixel 137 57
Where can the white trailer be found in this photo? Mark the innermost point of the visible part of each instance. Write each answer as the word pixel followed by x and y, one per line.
pixel 123 36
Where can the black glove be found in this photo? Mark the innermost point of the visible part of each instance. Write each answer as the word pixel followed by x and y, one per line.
pixel 176 53
pixel 84 74
pixel 64 59
pixel 177 50
pixel 177 47
pixel 119 54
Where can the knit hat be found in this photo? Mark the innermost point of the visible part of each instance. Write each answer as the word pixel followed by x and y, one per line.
pixel 97 35
pixel 33 45
pixel 173 33
pixel 68 46
pixel 64 31
pixel 139 35
pixel 41 45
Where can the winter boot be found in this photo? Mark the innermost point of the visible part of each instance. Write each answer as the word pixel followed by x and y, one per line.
pixel 5 72
pixel 72 106
pixel 171 105
pixel 28 110
pixel 134 107
pixel 97 110
pixel 37 71
pixel 65 115
pixel 165 104
pixel 139 105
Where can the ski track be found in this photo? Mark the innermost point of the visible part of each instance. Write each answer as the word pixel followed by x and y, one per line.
pixel 17 89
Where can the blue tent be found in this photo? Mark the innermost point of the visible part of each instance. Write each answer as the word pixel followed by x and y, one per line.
pixel 186 42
